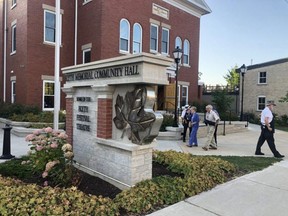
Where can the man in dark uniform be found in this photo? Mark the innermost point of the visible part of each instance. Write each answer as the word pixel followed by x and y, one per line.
pixel 186 116
pixel 267 131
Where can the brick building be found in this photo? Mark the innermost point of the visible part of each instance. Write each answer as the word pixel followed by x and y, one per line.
pixel 94 30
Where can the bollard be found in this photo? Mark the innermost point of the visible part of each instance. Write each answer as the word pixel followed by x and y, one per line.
pixel 6 143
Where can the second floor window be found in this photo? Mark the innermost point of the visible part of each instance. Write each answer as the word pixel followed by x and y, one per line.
pixel 154 38
pixel 13 39
pixel 124 35
pixel 165 41
pixel 186 51
pixel 86 56
pixel 137 38
pixel 50 26
pixel 262 78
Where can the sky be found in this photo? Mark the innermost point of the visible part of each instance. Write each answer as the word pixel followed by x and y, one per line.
pixel 239 32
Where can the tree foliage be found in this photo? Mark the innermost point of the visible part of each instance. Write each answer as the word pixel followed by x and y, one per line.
pixel 222 101
pixel 232 77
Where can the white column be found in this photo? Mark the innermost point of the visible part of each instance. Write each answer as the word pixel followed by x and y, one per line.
pixel 57 66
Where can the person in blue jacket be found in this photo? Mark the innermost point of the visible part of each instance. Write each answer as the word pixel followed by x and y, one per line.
pixel 195 125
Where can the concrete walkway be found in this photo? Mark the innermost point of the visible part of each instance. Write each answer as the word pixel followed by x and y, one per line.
pixel 262 193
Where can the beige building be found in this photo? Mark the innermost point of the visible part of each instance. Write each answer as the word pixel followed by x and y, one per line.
pixel 263 82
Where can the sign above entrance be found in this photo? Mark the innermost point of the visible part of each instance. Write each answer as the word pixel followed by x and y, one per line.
pixel 139 68
pixel 119 71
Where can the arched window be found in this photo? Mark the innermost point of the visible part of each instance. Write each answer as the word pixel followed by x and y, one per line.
pixel 137 38
pixel 178 43
pixel 186 52
pixel 124 35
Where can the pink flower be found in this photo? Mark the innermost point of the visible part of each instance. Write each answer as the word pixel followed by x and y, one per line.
pixel 29 137
pixel 50 165
pixel 62 135
pixel 54 145
pixel 39 148
pixel 44 174
pixel 45 184
pixel 48 130
pixel 37 132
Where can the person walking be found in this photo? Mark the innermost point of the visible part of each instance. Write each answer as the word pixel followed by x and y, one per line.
pixel 211 119
pixel 267 130
pixel 186 116
pixel 195 125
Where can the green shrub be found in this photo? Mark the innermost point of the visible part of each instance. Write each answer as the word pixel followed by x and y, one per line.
pixel 18 198
pixel 168 120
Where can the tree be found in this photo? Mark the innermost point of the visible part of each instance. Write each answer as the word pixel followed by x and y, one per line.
pixel 284 99
pixel 232 77
pixel 222 101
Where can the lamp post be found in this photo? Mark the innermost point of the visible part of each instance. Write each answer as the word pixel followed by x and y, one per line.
pixel 236 90
pixel 243 70
pixel 177 56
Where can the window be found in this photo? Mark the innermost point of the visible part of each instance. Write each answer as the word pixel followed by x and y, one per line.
pixel 50 26
pixel 184 95
pixel 13 39
pixel 165 41
pixel 178 99
pixel 186 52
pixel 48 95
pixel 154 38
pixel 13 91
pixel 137 38
pixel 261 103
pixel 124 35
pixel 178 42
pixel 14 2
pixel 262 78
pixel 86 56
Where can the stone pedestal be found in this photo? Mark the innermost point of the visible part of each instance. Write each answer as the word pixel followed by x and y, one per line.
pixel 110 119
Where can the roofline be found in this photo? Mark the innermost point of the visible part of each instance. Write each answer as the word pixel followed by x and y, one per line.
pixel 269 63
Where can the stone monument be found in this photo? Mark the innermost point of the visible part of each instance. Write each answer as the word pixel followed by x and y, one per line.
pixel 110 119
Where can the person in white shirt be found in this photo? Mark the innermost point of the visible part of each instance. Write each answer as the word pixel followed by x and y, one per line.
pixel 267 131
pixel 211 119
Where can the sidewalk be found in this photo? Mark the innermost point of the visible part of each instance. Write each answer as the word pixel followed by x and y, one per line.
pixel 262 193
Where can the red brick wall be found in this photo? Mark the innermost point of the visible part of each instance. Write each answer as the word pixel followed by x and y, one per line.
pixel 98 23
pixel 69 119
pixel 104 118
pixel 103 18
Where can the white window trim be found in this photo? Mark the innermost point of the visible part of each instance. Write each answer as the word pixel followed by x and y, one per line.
pixel 165 29
pixel 14 3
pixel 13 49
pixel 13 94
pixel 260 77
pixel 157 38
pixel 141 36
pixel 44 27
pixel 43 95
pixel 260 96
pixel 179 98
pixel 124 51
pixel 187 93
pixel 83 55
pixel 188 44
pixel 86 2
pixel 180 46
